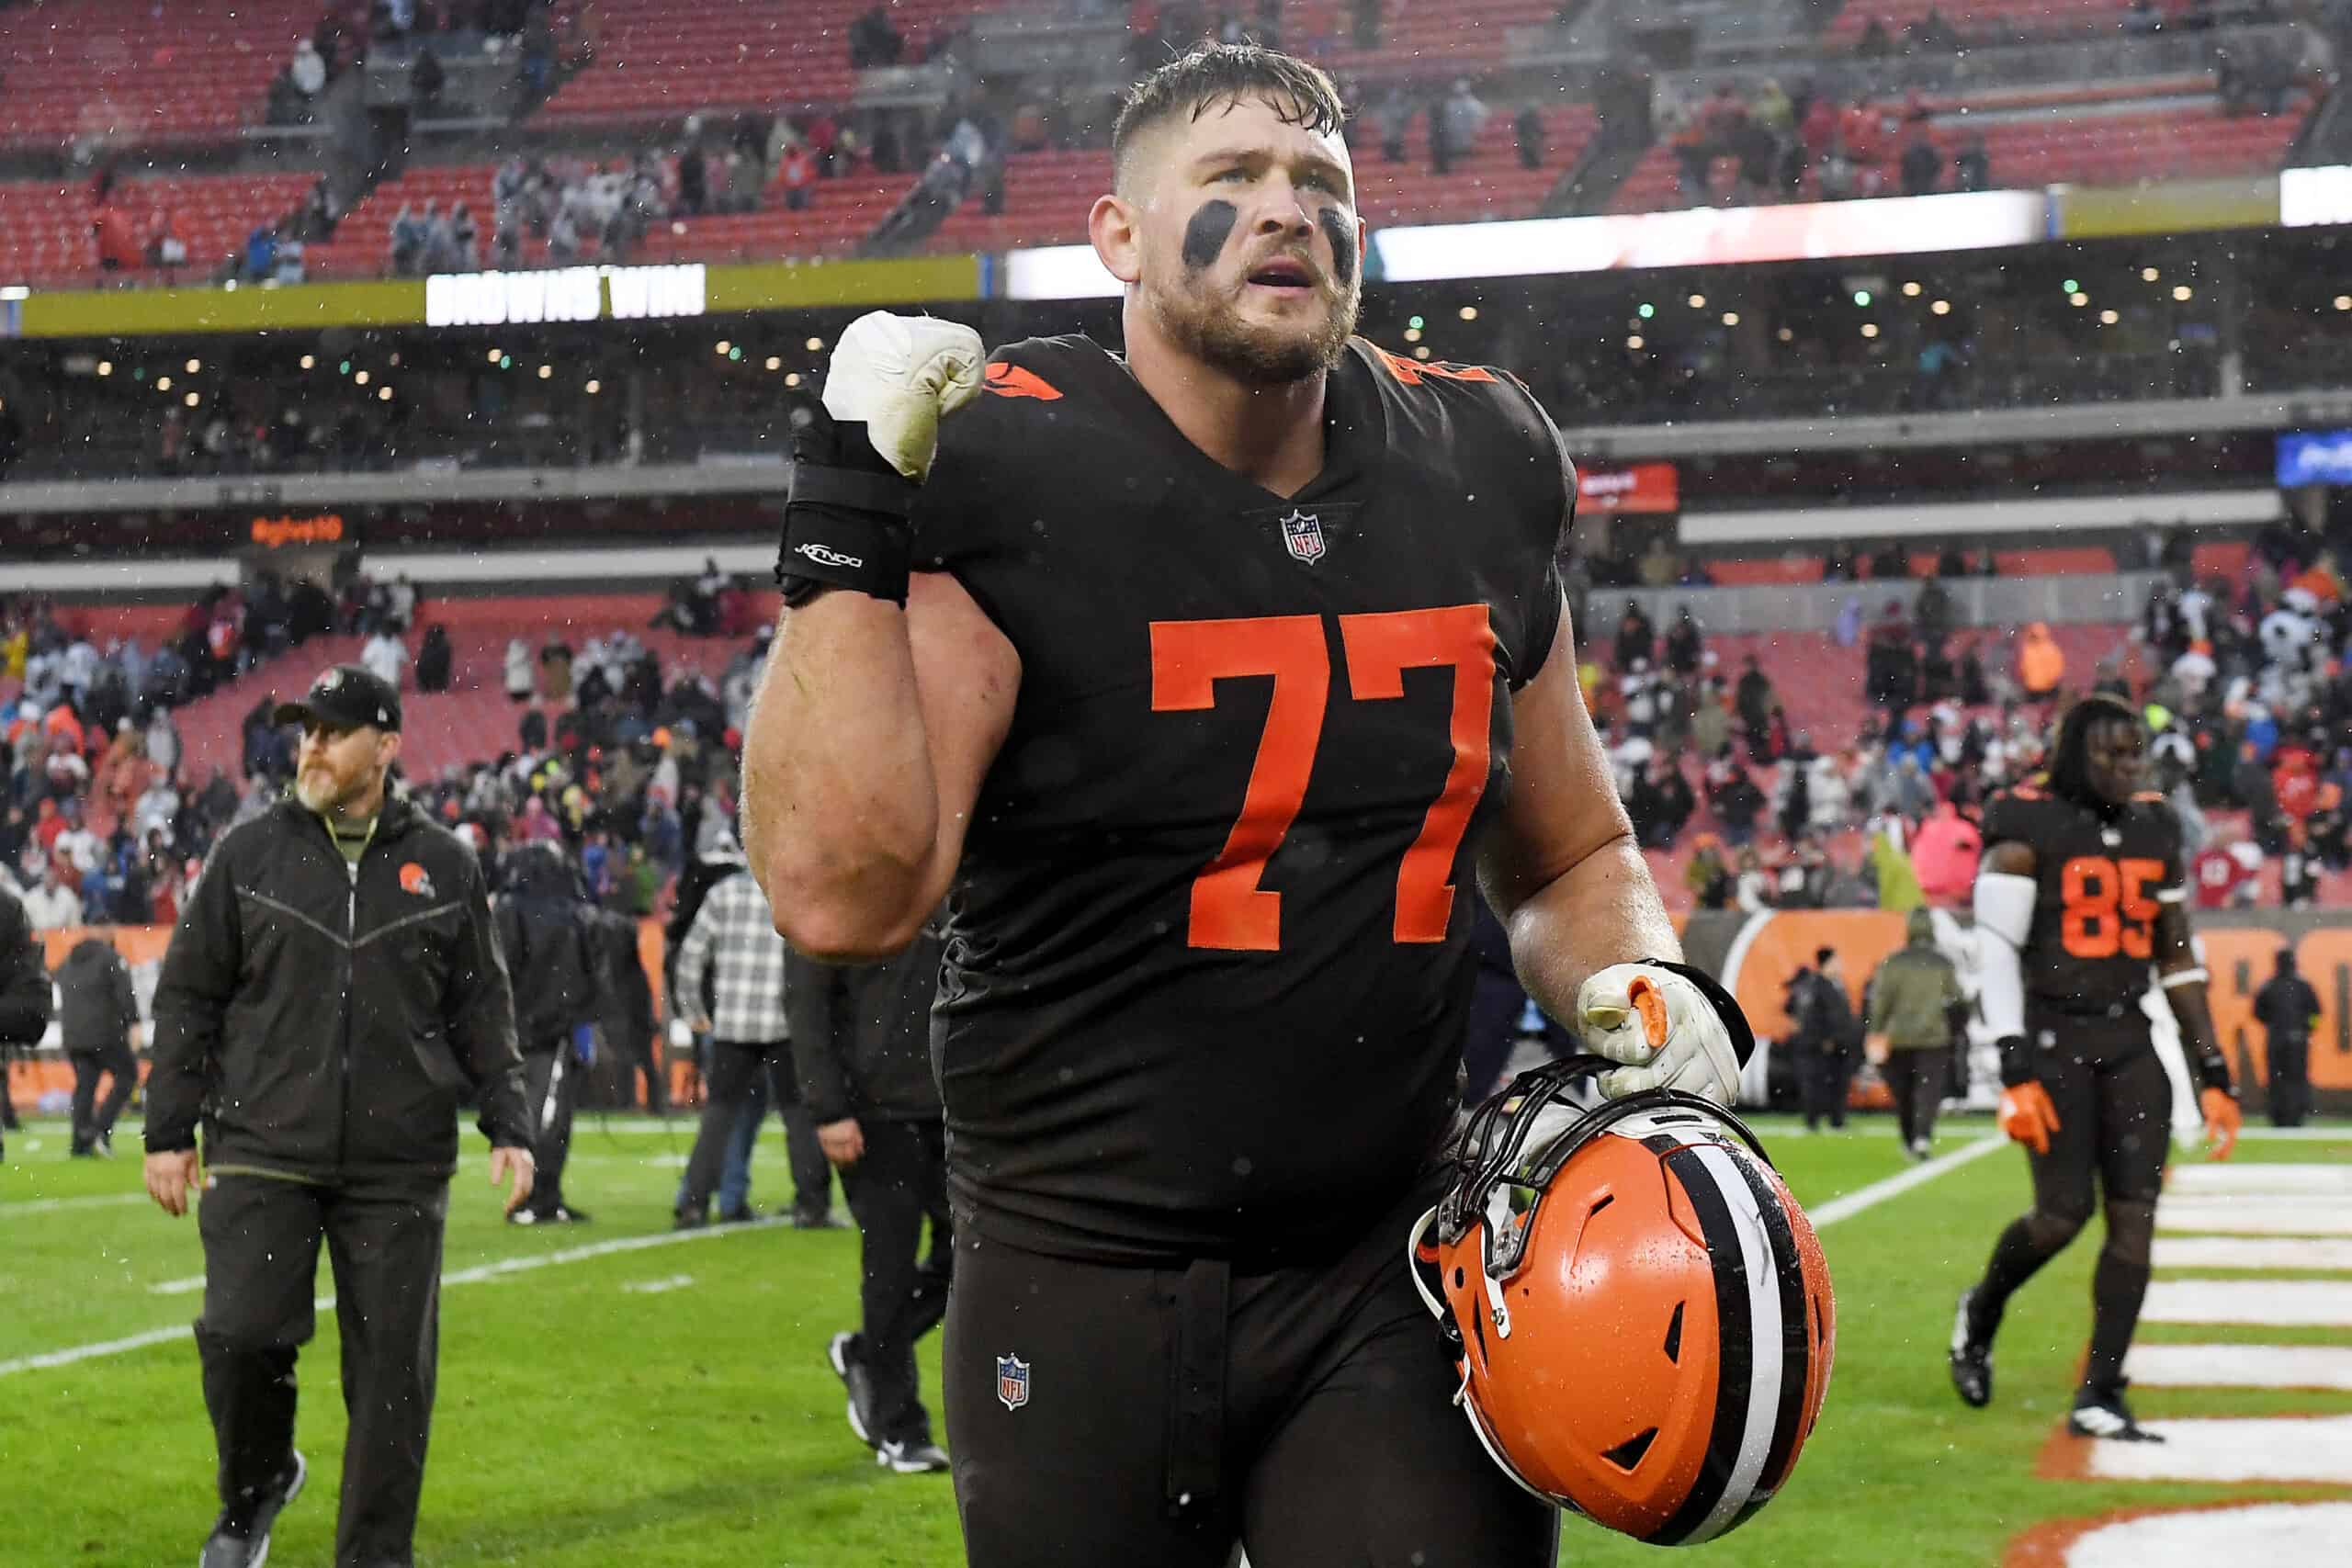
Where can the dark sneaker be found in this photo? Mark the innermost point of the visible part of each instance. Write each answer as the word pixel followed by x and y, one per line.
pixel 842 1352
pixel 687 1220
pixel 563 1214
pixel 241 1538
pixel 2101 1413
pixel 911 1458
pixel 1972 1359
pixel 812 1220
pixel 747 1215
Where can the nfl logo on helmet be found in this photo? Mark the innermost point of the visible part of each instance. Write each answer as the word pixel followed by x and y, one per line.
pixel 1303 535
pixel 1012 1381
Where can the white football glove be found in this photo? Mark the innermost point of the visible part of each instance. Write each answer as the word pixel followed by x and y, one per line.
pixel 899 375
pixel 1663 1027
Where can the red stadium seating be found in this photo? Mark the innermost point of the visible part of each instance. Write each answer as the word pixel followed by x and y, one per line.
pixel 135 70
pixel 663 59
pixel 1976 20
pixel 2065 142
pixel 45 234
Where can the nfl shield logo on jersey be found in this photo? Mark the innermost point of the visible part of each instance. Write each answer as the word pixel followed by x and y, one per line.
pixel 1012 1381
pixel 1303 535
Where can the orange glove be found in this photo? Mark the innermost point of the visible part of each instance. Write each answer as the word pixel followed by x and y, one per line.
pixel 2223 1118
pixel 2026 1115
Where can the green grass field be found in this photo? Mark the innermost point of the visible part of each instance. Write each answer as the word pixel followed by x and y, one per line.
pixel 668 1405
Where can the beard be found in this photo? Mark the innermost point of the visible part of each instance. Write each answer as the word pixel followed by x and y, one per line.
pixel 1207 323
pixel 320 791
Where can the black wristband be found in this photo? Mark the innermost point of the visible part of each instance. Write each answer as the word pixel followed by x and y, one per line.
pixel 846 528
pixel 2213 1072
pixel 1743 1038
pixel 2017 1061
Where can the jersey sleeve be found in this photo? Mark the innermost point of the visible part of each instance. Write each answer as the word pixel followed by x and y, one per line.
pixel 1552 513
pixel 2008 820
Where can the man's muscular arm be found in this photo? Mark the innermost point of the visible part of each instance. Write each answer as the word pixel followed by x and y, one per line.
pixel 1561 867
pixel 864 755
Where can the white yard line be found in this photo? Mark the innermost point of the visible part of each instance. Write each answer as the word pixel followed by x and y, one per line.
pixel 1863 1199
pixel 32 1206
pixel 2278 1215
pixel 2276 1304
pixel 497 1270
pixel 2200 1180
pixel 2280 1535
pixel 2240 1366
pixel 2308 1253
pixel 2264 1450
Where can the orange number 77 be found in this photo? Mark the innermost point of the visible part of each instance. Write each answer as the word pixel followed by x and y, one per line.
pixel 1187 657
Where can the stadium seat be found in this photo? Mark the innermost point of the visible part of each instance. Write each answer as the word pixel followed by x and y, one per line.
pixel 45 225
pixel 131 70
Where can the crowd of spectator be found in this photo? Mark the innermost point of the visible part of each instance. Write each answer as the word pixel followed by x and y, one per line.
pixel 2246 684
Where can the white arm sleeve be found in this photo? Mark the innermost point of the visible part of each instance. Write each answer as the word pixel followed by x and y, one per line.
pixel 2003 915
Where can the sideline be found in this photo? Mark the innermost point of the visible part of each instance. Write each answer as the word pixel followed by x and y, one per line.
pixel 497 1270
pixel 1863 1199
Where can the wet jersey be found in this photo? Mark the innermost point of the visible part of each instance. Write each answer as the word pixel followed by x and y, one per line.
pixel 1207 970
pixel 2099 881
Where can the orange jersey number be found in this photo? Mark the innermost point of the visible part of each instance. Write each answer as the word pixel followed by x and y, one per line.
pixel 1229 910
pixel 2104 906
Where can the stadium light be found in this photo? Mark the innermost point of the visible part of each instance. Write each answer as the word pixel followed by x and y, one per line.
pixel 360 379
pixel 1870 329
pixel 1786 335
pixel 593 387
pixel 2183 293
pixel 736 352
pixel 1469 312
pixel 1941 307
pixel 385 394
pixel 496 354
pixel 1646 311
pixel 2343 302
pixel 1634 341
pixel 1421 352
pixel 162 383
pixel 2070 286
pixel 192 400
pixel 344 368
pixel 2108 318
pixel 773 363
pixel 1862 298
pixel 793 379
pixel 1698 302
pixel 106 366
pixel 1415 323
pixel 723 345
pixel 815 346
pixel 1731 318
pixel 546 371
pixel 1412 334
pixel 2149 275
pixel 309 360
pixel 194 366
pixel 1911 290
pixel 2078 298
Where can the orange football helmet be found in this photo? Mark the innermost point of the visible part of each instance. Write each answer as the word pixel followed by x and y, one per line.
pixel 1642 1315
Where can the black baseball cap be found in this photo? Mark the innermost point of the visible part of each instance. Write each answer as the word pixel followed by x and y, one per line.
pixel 347 697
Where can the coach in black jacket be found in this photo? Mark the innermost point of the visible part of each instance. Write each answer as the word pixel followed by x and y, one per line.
pixel 862 1044
pixel 334 986
pixel 24 983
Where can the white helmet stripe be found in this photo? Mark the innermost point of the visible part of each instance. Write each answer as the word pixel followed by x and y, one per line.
pixel 1763 1282
pixel 1728 1259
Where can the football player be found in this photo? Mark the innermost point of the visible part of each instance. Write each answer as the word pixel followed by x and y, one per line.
pixel 1201 679
pixel 2080 891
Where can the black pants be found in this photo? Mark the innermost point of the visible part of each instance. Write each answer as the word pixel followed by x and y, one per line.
pixel 551 1093
pixel 900 1183
pixel 1916 1076
pixel 1153 1418
pixel 2290 1081
pixel 113 1060
pixel 727 1082
pixel 1822 1078
pixel 261 1262
pixel 2114 1107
